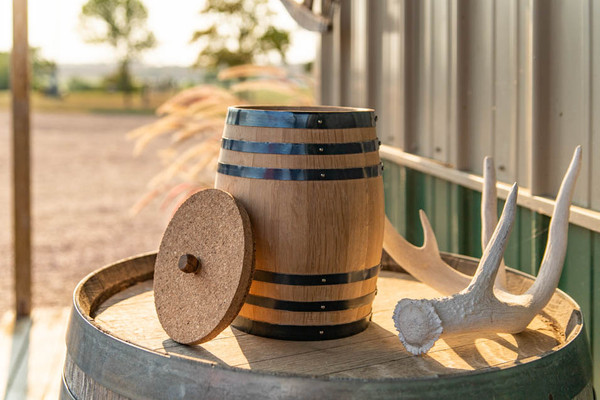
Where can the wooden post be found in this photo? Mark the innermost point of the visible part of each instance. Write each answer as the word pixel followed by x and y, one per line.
pixel 20 159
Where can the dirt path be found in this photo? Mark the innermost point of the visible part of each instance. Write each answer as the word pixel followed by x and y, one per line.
pixel 84 182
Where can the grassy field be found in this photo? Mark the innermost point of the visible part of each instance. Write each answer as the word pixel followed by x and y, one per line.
pixel 92 102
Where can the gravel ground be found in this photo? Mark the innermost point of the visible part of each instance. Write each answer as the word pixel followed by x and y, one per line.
pixel 85 181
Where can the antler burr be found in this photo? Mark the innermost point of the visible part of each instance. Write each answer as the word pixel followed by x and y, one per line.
pixel 480 307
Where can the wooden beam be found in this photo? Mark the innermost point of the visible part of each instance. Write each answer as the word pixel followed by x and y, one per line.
pixel 20 159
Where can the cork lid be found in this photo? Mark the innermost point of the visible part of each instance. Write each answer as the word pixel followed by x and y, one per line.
pixel 204 267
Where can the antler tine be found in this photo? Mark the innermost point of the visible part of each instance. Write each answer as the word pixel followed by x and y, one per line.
pixel 424 263
pixel 429 240
pixel 489 213
pixel 556 247
pixel 491 260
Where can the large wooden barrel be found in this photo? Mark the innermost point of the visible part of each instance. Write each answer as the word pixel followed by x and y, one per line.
pixel 310 179
pixel 116 349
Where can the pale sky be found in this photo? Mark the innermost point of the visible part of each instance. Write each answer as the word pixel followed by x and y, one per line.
pixel 53 26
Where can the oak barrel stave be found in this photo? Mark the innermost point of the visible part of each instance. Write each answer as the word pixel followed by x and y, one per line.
pixel 315 199
pixel 131 357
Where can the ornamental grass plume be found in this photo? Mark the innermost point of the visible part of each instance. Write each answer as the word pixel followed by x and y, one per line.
pixel 194 119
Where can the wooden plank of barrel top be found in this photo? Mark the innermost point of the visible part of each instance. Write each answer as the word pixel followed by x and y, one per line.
pixel 310 179
pixel 117 349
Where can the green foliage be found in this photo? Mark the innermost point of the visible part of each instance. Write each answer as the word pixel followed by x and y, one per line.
pixel 121 80
pixel 275 39
pixel 239 32
pixel 308 67
pixel 77 84
pixel 122 25
pixel 43 71
pixel 4 71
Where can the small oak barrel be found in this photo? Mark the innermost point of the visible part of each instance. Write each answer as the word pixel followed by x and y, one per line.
pixel 117 349
pixel 310 179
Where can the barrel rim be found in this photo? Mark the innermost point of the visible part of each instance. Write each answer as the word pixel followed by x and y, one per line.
pixel 301 109
pixel 301 117
pixel 82 327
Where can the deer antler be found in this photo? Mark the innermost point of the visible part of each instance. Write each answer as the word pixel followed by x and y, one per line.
pixel 425 263
pixel 479 307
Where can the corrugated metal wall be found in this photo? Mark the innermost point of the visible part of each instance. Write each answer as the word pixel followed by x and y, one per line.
pixel 456 80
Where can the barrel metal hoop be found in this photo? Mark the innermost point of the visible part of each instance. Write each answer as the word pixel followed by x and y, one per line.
pixel 300 332
pixel 316 280
pixel 310 306
pixel 244 146
pixel 301 119
pixel 284 174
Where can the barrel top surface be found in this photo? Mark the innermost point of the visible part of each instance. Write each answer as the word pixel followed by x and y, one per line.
pixel 315 117
pixel 375 354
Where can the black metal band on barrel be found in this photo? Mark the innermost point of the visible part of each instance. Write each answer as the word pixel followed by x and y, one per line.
pixel 300 332
pixel 283 174
pixel 316 280
pixel 244 146
pixel 310 306
pixel 301 119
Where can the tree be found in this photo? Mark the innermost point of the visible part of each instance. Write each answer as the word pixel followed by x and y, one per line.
pixel 44 73
pixel 238 32
pixel 43 76
pixel 122 25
